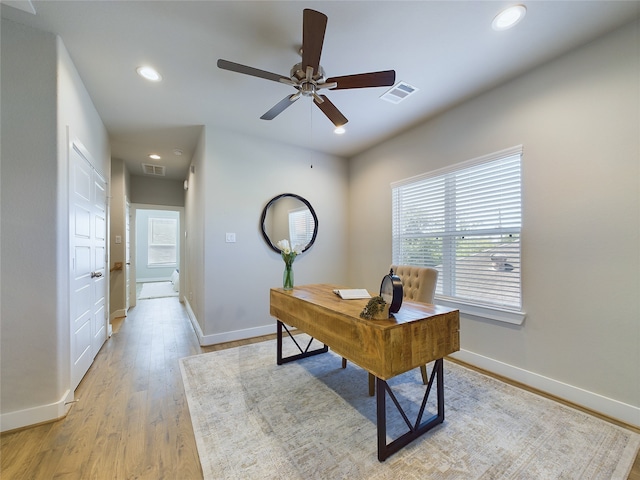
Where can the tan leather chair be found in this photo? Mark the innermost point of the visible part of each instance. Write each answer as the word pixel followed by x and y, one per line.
pixel 418 285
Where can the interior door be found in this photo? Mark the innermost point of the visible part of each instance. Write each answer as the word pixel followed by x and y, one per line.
pixel 88 262
pixel 99 274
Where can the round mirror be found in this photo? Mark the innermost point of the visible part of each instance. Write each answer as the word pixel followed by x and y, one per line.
pixel 291 217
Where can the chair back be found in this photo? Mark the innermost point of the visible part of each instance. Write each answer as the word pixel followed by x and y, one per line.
pixel 418 283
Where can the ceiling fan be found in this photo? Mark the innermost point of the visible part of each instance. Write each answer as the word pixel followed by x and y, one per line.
pixel 307 77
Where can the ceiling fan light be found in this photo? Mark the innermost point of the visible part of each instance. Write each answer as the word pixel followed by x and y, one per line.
pixel 149 73
pixel 509 17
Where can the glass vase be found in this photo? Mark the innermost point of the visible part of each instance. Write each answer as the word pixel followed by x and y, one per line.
pixel 287 277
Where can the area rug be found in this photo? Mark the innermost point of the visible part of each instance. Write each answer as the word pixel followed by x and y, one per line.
pixel 157 290
pixel 311 419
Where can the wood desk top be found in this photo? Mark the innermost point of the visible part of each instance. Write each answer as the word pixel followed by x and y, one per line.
pixel 416 335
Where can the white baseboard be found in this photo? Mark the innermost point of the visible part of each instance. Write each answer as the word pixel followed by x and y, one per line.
pixel 194 320
pixel 117 314
pixel 35 415
pixel 607 406
pixel 238 335
pixel 206 340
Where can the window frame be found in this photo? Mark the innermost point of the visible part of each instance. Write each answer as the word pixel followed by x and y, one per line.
pixel 151 243
pixel 510 314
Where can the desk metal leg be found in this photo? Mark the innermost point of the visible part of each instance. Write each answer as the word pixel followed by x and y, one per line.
pixel 303 353
pixel 419 427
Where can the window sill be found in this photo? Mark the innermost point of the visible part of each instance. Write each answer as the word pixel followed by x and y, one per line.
pixel 492 313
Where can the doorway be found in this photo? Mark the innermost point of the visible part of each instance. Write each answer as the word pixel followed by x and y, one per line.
pixel 157 252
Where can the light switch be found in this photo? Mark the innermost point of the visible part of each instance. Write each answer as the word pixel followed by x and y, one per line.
pixel 230 238
pixel 118 239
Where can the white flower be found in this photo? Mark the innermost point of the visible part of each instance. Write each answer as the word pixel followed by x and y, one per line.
pixel 289 254
pixel 283 245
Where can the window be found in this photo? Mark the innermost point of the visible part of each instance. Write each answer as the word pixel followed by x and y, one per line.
pixel 301 226
pixel 163 235
pixel 465 221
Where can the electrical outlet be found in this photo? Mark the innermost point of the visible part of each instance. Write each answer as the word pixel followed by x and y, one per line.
pixel 230 238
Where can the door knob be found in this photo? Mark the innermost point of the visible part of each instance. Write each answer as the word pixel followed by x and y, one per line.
pixel 96 274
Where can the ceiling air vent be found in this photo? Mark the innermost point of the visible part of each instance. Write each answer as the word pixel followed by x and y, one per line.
pixel 155 170
pixel 398 92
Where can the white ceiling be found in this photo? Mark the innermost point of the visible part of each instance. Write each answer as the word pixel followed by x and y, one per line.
pixel 446 49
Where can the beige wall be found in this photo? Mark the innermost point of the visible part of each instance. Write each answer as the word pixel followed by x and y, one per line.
pixel 192 279
pixel 29 330
pixel 578 120
pixel 120 180
pixel 157 191
pixel 44 106
pixel 234 179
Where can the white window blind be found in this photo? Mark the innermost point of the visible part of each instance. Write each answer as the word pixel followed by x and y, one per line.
pixel 464 221
pixel 301 226
pixel 163 240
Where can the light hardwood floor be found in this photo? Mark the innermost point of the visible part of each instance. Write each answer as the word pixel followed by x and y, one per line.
pixel 131 419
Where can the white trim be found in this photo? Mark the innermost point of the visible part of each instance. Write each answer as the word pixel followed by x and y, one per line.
pixel 194 320
pixel 36 415
pixel 133 241
pixel 483 311
pixel 207 340
pixel 238 335
pixel 607 406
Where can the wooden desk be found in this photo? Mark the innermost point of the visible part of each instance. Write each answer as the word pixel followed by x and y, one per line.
pixel 416 335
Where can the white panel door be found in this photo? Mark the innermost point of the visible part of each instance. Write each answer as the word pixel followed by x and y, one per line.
pixel 81 301
pixel 99 314
pixel 88 262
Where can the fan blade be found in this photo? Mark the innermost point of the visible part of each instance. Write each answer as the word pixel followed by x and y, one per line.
pixel 364 80
pixel 314 25
pixel 279 107
pixel 330 110
pixel 238 68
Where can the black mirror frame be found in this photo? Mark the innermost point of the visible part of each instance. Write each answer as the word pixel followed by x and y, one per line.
pixel 264 216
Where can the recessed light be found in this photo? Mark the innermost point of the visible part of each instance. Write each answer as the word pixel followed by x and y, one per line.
pixel 149 73
pixel 339 130
pixel 155 156
pixel 509 17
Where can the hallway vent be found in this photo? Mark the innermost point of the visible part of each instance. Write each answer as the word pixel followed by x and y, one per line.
pixel 155 170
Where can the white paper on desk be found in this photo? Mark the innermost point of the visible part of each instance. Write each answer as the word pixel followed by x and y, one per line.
pixel 352 293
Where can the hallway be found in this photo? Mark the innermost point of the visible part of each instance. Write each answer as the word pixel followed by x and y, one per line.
pixel 131 418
